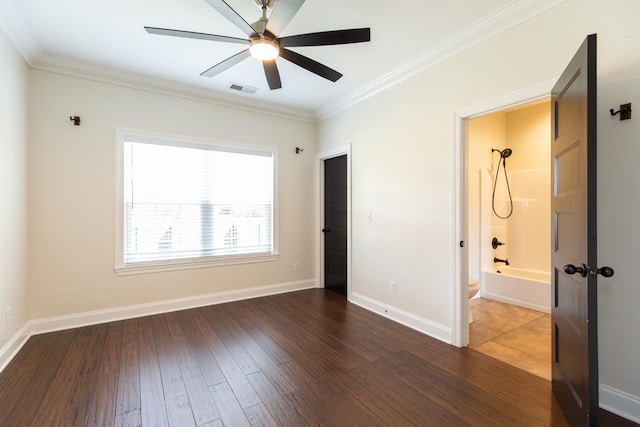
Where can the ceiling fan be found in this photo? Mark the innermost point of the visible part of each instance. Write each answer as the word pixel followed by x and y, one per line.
pixel 265 45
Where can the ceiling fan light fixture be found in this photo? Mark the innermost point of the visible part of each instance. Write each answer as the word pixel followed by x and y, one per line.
pixel 264 49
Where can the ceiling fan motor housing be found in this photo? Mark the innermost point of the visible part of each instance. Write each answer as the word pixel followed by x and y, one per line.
pixel 268 3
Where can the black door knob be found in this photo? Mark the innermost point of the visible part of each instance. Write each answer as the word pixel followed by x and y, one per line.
pixel 604 271
pixel 572 269
pixel 326 230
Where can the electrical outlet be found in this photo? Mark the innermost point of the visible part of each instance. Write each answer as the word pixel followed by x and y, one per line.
pixel 296 266
pixel 392 287
pixel 8 315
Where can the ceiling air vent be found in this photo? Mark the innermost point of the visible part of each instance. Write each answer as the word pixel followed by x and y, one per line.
pixel 243 88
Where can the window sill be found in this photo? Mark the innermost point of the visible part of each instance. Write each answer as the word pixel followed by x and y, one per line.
pixel 191 263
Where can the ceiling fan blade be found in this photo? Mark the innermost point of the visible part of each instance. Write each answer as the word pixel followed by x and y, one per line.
pixel 309 64
pixel 226 64
pixel 237 20
pixel 192 35
pixel 283 12
pixel 324 38
pixel 272 74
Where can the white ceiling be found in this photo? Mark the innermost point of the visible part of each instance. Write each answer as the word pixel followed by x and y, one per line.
pixel 106 39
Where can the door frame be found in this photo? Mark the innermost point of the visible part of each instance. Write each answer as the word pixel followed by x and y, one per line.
pixel 460 296
pixel 322 156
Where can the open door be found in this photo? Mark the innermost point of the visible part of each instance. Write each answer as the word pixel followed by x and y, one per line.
pixel 574 245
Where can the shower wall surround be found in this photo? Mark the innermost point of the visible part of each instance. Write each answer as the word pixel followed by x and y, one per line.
pixel 527 232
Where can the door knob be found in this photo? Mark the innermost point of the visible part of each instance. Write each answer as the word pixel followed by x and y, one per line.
pixel 572 269
pixel 326 230
pixel 605 271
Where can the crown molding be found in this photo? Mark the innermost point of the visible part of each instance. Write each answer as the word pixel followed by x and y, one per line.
pixel 491 25
pixel 166 87
pixel 14 27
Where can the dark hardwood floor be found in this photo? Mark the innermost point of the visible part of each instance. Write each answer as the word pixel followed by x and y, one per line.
pixel 303 358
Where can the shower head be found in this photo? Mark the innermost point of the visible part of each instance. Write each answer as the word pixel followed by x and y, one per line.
pixel 503 153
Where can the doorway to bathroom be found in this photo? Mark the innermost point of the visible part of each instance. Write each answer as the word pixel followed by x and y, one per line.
pixel 508 238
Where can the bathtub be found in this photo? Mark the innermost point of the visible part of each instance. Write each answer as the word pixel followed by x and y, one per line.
pixel 525 288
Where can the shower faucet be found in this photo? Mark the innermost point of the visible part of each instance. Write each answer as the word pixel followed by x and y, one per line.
pixel 506 261
pixel 495 243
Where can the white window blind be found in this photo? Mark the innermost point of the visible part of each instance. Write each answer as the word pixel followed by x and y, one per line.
pixel 185 202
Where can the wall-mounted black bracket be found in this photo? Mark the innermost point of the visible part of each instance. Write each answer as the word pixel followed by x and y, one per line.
pixel 624 111
pixel 299 150
pixel 75 120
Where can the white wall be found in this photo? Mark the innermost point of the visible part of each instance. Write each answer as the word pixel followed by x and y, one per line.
pixel 619 246
pixel 403 167
pixel 13 189
pixel 72 182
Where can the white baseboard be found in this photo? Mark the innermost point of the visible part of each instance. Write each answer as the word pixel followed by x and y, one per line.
pixel 620 403
pixel 58 323
pixel 412 321
pixel 11 348
pixel 515 301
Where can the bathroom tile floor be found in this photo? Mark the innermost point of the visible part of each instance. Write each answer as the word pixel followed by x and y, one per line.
pixel 514 335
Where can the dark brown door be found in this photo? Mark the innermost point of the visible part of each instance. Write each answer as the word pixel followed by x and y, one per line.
pixel 335 224
pixel 573 205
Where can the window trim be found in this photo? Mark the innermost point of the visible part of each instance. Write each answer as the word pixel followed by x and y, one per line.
pixel 123 269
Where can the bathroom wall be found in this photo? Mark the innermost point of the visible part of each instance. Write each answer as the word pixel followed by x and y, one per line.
pixel 528 132
pixel 484 133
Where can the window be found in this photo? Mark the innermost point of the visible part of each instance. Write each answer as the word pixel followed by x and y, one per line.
pixel 185 203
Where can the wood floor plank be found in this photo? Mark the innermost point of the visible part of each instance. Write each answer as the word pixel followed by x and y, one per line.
pixel 504 388
pixel 221 323
pixel 14 378
pixel 314 389
pixel 103 402
pixel 200 397
pixel 379 402
pixel 128 391
pixel 267 365
pixel 209 367
pixel 510 386
pixel 76 411
pixel 418 393
pixel 231 412
pixel 342 334
pixel 307 409
pixel 35 382
pixel 308 338
pixel 267 337
pixel 128 419
pixel 152 402
pixel 236 379
pixel 172 383
pixel 259 416
pixel 278 407
pixel 60 389
pixel 302 358
pixel 179 412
